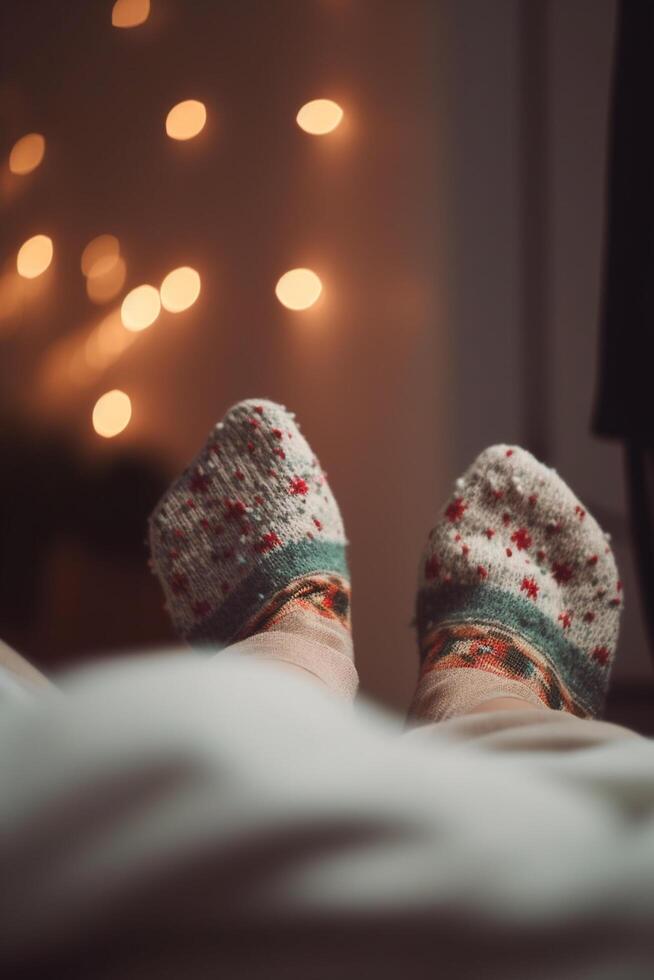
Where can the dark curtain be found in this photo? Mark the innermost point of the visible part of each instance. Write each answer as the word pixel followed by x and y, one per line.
pixel 625 396
pixel 625 404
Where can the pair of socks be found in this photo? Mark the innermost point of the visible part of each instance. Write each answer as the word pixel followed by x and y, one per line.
pixel 518 593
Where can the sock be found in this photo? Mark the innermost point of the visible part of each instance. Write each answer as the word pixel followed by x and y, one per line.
pixel 518 594
pixel 248 544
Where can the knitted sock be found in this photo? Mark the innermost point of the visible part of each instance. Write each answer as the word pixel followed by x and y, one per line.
pixel 249 541
pixel 518 594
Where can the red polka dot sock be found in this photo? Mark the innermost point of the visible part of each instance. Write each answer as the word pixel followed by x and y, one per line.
pixel 249 545
pixel 518 594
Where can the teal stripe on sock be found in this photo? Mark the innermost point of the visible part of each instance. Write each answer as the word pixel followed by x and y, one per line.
pixel 272 572
pixel 481 603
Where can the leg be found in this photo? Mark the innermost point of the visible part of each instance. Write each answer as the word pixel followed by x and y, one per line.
pixel 249 547
pixel 18 677
pixel 502 704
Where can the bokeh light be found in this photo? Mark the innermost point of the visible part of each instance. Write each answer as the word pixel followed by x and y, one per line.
pixel 102 249
pixel 130 13
pixel 140 308
pixel 186 119
pixel 111 413
pixel 104 268
pixel 319 117
pixel 298 289
pixel 112 338
pixel 27 153
pixel 34 256
pixel 180 289
pixel 107 342
pixel 106 279
pixel 79 358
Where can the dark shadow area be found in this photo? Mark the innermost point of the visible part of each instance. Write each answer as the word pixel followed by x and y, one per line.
pixel 73 561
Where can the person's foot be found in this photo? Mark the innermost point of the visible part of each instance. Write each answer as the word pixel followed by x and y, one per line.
pixel 519 595
pixel 249 539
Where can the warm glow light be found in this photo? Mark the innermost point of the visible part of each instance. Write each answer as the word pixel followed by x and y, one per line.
pixel 180 289
pixel 107 342
pixel 77 372
pixel 11 291
pixel 27 153
pixel 319 117
pixel 103 266
pixel 79 358
pixel 34 256
pixel 130 13
pixel 93 353
pixel 112 338
pixel 100 249
pixel 186 119
pixel 140 308
pixel 112 413
pixel 298 289
pixel 106 279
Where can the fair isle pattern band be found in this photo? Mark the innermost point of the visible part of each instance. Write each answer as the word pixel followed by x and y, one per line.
pixel 498 650
pixel 472 604
pixel 264 586
pixel 327 597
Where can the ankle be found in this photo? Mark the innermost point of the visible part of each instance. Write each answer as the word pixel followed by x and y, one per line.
pixel 505 704
pixel 451 692
pixel 317 606
pixel 330 663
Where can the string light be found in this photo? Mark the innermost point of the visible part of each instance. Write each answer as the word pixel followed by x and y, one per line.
pixel 34 256
pixel 298 289
pixel 140 308
pixel 112 413
pixel 319 117
pixel 180 289
pixel 186 119
pixel 130 13
pixel 105 269
pixel 26 154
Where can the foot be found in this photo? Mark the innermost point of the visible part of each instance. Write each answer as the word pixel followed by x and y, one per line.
pixel 250 538
pixel 517 581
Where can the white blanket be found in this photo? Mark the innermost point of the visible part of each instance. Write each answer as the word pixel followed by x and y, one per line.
pixel 173 816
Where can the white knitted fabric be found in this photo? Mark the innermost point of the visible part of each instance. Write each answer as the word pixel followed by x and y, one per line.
pixel 251 513
pixel 515 550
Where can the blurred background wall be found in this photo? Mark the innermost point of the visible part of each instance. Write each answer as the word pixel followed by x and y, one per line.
pixel 454 217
